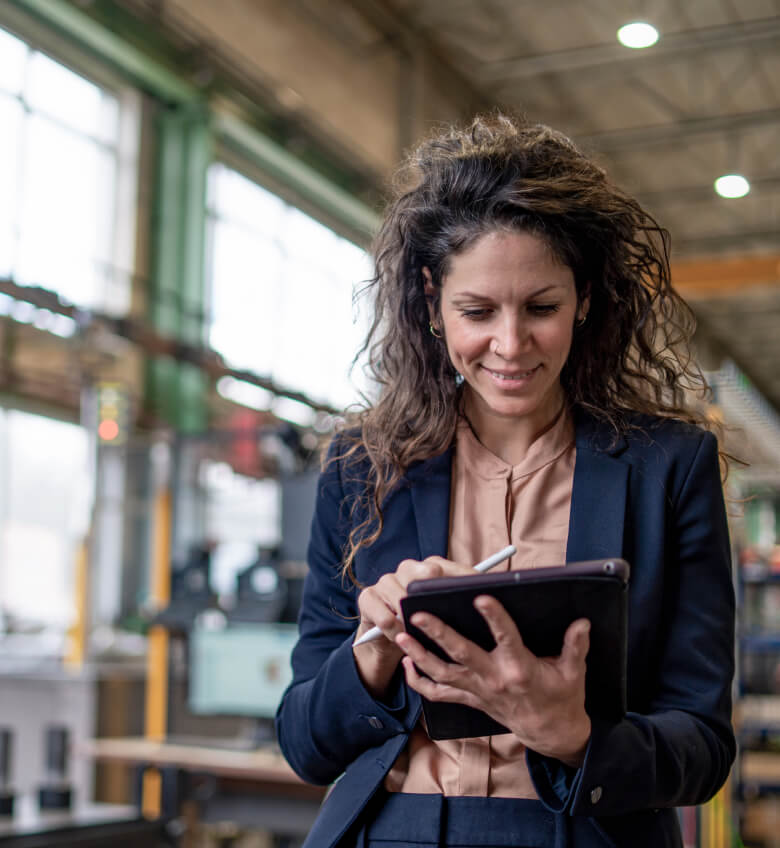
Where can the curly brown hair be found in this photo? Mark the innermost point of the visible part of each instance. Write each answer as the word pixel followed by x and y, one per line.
pixel 500 173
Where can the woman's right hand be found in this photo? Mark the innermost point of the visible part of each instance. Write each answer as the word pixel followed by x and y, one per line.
pixel 380 605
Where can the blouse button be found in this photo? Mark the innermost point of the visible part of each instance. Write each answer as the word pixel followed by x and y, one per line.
pixel 595 795
pixel 375 722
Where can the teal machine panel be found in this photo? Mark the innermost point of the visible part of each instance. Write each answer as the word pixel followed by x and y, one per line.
pixel 240 670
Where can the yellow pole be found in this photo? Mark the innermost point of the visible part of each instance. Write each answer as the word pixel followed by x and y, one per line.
pixel 77 633
pixel 710 824
pixel 157 652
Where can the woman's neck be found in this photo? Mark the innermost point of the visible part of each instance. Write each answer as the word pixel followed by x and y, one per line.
pixel 510 438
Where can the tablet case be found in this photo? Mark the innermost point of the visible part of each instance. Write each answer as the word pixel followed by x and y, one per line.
pixel 542 602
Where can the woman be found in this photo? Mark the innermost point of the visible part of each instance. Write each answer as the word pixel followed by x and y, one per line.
pixel 530 353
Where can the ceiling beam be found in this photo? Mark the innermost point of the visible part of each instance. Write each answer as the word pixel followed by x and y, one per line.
pixel 76 24
pixel 150 341
pixel 745 241
pixel 615 59
pixel 419 54
pixel 360 219
pixel 703 193
pixel 643 138
pixel 712 276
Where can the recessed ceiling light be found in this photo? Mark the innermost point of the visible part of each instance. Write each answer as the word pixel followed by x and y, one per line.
pixel 732 185
pixel 637 35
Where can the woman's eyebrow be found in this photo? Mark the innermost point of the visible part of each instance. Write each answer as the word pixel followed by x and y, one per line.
pixel 468 295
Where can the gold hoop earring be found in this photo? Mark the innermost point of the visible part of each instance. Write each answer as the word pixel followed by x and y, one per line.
pixel 581 321
pixel 434 332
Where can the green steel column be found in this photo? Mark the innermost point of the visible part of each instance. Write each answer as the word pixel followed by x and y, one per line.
pixel 176 391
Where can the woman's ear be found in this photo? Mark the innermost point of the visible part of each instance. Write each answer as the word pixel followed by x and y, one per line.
pixel 584 305
pixel 430 293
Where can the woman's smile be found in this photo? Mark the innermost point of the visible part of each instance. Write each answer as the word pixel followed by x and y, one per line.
pixel 512 379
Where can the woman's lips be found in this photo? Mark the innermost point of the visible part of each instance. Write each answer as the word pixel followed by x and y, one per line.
pixel 513 376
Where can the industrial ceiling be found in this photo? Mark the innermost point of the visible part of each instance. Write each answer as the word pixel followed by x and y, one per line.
pixel 666 120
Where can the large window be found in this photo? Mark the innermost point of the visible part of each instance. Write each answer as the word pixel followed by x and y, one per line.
pixel 63 154
pixel 281 289
pixel 44 502
pixel 68 167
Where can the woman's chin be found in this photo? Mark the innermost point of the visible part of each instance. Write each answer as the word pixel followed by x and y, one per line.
pixel 519 404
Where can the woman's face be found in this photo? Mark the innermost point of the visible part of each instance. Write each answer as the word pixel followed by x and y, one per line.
pixel 508 308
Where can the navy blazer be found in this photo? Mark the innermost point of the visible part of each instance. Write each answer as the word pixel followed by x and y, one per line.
pixel 653 497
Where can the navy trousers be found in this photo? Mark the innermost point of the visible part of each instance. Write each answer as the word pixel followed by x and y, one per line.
pixel 401 820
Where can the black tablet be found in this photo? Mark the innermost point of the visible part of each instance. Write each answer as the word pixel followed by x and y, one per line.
pixel 543 602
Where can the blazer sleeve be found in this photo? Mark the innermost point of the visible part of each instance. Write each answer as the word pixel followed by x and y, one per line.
pixel 680 751
pixel 327 718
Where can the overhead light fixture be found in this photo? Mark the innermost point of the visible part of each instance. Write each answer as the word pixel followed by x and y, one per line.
pixel 638 35
pixel 732 185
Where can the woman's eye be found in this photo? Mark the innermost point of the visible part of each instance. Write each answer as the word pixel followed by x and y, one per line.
pixel 475 314
pixel 543 308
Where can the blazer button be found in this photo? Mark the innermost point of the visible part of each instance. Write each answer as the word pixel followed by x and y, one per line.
pixel 595 795
pixel 375 722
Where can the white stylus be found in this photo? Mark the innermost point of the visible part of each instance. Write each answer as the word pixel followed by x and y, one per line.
pixel 485 565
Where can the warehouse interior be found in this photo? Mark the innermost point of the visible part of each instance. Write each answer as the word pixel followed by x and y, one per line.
pixel 188 193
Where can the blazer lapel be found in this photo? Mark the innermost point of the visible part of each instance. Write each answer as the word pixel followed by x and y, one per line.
pixel 429 483
pixel 599 496
pixel 598 503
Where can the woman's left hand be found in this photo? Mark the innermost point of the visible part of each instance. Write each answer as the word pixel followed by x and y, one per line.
pixel 540 699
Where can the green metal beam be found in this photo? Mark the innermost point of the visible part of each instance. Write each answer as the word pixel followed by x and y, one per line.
pixel 176 391
pixel 111 47
pixel 286 168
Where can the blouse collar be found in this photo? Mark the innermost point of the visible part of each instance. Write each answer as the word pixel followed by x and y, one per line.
pixel 545 449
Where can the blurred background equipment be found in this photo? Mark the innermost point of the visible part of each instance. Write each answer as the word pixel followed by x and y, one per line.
pixel 191 593
pixel 55 791
pixel 241 670
pixel 113 414
pixel 261 591
pixel 6 786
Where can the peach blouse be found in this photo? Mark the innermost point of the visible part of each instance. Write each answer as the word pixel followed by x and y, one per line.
pixel 494 504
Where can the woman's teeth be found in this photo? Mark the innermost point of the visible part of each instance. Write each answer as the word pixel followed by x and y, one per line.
pixel 519 376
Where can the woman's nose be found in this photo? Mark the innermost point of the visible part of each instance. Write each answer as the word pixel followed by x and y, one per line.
pixel 511 338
